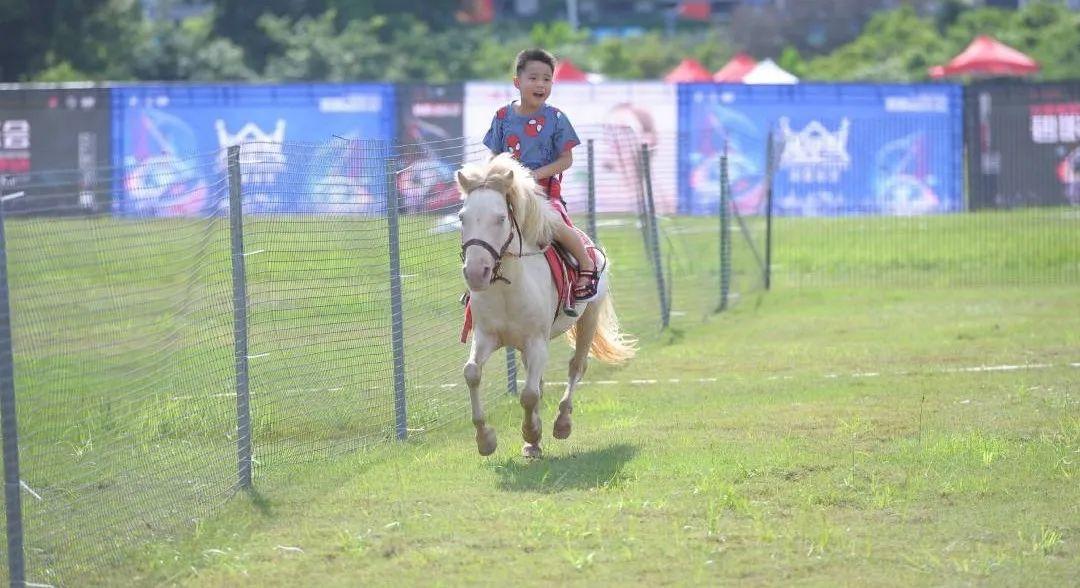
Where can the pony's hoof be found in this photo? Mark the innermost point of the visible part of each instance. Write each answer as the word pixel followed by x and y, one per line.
pixel 486 442
pixel 530 451
pixel 563 426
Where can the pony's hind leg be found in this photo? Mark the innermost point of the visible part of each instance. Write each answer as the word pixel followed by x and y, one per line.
pixel 482 348
pixel 585 330
pixel 535 357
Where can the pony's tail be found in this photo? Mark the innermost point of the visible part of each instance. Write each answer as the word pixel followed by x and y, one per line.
pixel 608 344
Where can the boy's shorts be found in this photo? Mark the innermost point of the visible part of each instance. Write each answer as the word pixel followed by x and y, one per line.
pixel 553 188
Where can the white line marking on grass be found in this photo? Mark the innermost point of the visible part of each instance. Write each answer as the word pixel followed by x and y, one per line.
pixel 26 487
pixel 194 397
pixel 831 376
pixel 12 196
pixel 1002 368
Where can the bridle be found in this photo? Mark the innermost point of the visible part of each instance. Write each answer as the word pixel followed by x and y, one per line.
pixel 497 255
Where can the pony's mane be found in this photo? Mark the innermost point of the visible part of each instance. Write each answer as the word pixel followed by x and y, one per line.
pixel 504 174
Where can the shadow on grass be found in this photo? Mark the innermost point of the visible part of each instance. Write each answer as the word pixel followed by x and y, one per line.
pixel 576 471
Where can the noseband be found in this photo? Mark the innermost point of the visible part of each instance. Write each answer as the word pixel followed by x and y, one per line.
pixel 497 255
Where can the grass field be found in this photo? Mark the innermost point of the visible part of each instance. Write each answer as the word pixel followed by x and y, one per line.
pixel 840 431
pixel 820 438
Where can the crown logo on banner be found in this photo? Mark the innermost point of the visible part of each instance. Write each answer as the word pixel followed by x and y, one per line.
pixel 814 154
pixel 262 157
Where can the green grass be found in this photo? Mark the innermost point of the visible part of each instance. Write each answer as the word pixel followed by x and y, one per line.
pixel 790 467
pixel 1019 247
pixel 124 367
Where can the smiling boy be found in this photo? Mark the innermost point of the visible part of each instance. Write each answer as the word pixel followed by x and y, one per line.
pixel 541 137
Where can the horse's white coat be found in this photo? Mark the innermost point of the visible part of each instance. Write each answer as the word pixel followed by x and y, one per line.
pixel 513 299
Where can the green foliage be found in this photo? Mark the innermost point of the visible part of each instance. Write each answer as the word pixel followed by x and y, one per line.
pixel 413 40
pixel 1050 33
pixel 792 61
pixel 652 55
pixel 895 46
pixel 189 52
pixel 60 72
pixel 900 45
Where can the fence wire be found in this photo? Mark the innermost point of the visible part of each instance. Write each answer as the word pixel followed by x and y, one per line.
pixel 123 331
pixel 122 298
pixel 123 373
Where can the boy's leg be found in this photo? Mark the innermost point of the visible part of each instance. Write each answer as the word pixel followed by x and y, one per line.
pixel 569 239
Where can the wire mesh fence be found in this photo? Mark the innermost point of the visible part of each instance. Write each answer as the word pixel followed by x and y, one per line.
pixel 905 234
pixel 123 375
pixel 127 365
pixel 150 315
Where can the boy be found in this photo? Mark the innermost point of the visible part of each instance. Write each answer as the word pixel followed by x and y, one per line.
pixel 541 138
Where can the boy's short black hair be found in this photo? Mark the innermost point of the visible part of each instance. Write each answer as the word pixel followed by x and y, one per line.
pixel 528 55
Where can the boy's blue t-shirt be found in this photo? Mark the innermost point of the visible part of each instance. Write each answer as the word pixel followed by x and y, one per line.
pixel 535 139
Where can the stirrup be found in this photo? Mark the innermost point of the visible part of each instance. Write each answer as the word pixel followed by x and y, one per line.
pixel 589 290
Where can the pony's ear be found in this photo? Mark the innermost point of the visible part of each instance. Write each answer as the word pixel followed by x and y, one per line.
pixel 504 177
pixel 464 184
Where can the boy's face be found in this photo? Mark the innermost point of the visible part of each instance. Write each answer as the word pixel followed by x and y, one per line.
pixel 534 82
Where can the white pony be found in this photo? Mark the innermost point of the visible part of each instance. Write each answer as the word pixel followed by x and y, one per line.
pixel 506 224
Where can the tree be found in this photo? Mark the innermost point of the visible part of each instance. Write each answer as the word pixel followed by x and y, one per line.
pixel 188 51
pixel 895 46
pixel 233 20
pixel 90 36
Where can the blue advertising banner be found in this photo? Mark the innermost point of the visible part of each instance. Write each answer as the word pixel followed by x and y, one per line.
pixel 841 148
pixel 170 144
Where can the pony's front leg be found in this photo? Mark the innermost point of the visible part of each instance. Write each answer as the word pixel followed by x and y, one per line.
pixel 535 356
pixel 482 348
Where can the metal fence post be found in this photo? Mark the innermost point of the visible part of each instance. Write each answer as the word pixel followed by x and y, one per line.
pixel 770 170
pixel 12 498
pixel 240 338
pixel 511 372
pixel 397 317
pixel 725 232
pixel 653 239
pixel 591 224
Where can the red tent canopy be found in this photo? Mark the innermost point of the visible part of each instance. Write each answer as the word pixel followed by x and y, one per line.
pixel 566 71
pixel 688 70
pixel 695 9
pixel 987 56
pixel 735 69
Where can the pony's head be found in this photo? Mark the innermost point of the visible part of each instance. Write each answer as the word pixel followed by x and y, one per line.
pixel 502 203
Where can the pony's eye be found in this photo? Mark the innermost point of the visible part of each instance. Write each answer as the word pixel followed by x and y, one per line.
pixel 502 218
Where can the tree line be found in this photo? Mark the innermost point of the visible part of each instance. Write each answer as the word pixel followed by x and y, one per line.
pixel 420 41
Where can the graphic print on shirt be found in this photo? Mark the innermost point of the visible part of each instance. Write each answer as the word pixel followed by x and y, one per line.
pixel 534 125
pixel 513 146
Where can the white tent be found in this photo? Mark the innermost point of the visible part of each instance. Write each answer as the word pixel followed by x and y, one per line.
pixel 767 72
